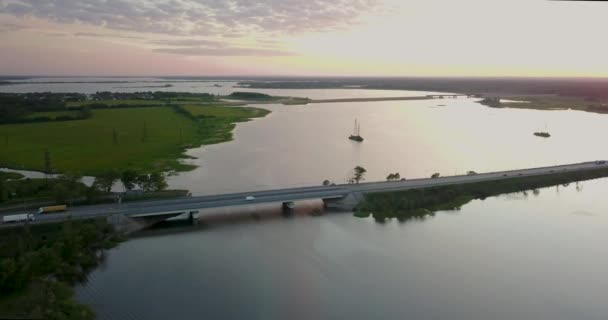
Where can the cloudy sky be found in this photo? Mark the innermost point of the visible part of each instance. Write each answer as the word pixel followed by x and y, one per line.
pixel 304 37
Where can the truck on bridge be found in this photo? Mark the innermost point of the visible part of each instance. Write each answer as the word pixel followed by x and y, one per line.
pixel 51 209
pixel 18 218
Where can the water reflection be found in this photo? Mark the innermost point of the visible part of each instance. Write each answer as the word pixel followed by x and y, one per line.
pixel 506 257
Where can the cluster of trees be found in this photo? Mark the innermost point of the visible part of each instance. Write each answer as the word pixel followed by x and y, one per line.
pixel 249 96
pixel 14 107
pixel 149 95
pixel 68 188
pixel 51 255
pixel 393 177
pixel 130 179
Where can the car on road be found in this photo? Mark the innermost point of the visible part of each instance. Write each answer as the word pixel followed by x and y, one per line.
pixel 600 162
pixel 249 198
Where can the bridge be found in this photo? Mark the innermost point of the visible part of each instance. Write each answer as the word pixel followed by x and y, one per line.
pixel 345 196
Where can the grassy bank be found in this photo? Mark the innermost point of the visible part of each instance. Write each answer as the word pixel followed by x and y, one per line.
pixel 418 203
pixel 145 139
pixel 549 102
pixel 40 263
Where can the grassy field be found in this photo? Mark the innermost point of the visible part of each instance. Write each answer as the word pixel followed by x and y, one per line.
pixel 552 102
pixel 216 123
pixel 144 139
pixel 52 114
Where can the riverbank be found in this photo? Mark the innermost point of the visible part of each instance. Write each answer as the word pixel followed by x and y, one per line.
pixel 431 97
pixel 548 102
pixel 40 263
pixel 419 203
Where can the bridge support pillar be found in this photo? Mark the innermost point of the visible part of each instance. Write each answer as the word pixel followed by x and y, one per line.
pixel 192 217
pixel 288 208
pixel 348 203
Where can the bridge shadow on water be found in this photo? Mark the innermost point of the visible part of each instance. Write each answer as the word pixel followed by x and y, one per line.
pixel 209 219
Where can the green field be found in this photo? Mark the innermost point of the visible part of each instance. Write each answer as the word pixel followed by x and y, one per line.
pixel 147 139
pixel 52 114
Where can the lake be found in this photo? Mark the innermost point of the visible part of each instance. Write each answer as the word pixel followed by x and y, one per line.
pixel 538 255
pixel 534 256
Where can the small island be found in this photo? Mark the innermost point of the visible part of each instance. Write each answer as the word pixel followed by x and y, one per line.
pixel 542 134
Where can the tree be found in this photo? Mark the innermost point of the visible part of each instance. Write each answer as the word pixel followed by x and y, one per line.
pixel 145 183
pixel 61 194
pixel 105 180
pixel 67 187
pixel 393 177
pixel 129 179
pixel 358 174
pixel 326 182
pixel 158 181
pixel 47 162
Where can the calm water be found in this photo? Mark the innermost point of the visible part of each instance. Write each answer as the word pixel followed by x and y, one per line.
pixel 304 145
pixel 509 257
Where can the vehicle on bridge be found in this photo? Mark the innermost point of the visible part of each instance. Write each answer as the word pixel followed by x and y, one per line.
pixel 51 209
pixel 18 218
pixel 249 198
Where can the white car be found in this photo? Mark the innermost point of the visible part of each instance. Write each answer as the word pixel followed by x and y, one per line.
pixel 249 198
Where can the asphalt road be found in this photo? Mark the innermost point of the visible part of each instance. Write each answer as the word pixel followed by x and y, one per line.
pixel 150 208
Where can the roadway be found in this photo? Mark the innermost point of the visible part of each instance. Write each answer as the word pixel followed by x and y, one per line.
pixel 159 207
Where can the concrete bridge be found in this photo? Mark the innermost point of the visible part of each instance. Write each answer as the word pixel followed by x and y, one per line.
pixel 343 197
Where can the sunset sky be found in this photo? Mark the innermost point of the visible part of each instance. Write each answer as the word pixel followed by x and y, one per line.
pixel 304 37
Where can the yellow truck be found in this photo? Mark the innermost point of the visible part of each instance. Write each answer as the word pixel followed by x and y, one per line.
pixel 51 209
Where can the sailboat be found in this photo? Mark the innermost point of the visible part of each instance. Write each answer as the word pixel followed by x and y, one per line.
pixel 356 136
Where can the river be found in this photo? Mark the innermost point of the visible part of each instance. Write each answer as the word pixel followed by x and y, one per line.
pixel 520 256
pixel 535 256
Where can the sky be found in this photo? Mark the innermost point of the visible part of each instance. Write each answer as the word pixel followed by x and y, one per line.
pixel 304 37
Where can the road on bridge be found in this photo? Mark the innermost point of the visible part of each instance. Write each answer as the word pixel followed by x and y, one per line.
pixel 160 207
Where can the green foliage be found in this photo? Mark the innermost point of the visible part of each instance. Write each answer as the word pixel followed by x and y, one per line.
pixel 393 177
pixel 358 174
pixel 419 203
pixel 167 134
pixel 10 175
pixel 104 181
pixel 47 162
pixel 68 187
pixel 128 179
pixel 152 182
pixel 159 181
pixel 38 262
pixel 250 96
